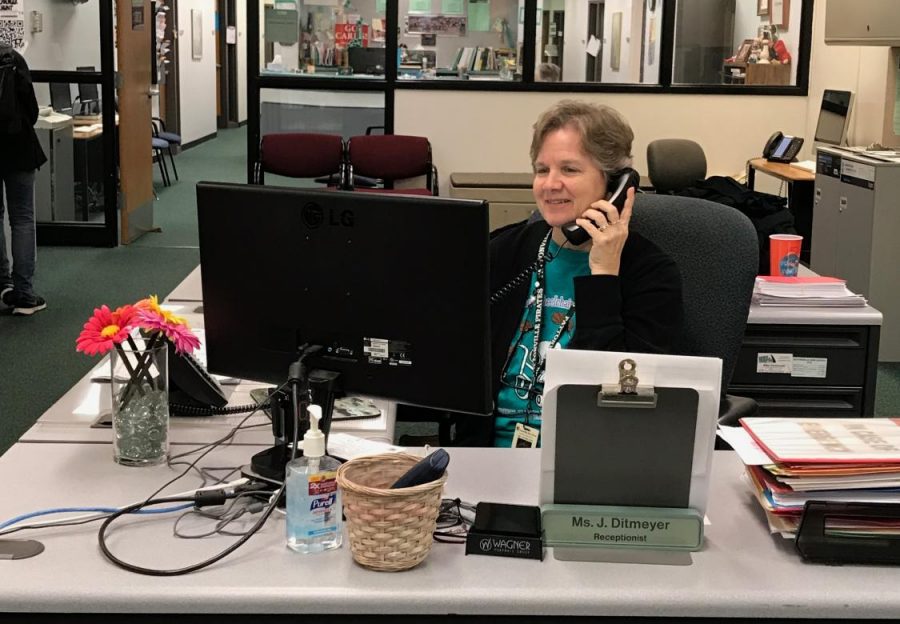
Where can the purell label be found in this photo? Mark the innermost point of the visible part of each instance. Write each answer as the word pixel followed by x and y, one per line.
pixel 322 503
pixel 322 483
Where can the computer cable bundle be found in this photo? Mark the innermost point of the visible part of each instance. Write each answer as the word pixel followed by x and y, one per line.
pixel 454 519
pixel 296 379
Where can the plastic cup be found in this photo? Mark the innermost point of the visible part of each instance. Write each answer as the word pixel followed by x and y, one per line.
pixel 784 254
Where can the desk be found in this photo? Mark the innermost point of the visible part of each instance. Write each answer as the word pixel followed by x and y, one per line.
pixel 800 195
pixel 742 571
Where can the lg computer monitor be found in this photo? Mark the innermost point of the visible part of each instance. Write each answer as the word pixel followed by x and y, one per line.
pixel 834 117
pixel 394 288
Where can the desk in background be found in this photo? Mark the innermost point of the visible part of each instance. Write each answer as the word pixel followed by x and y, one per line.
pixel 800 195
pixel 742 570
pixel 738 72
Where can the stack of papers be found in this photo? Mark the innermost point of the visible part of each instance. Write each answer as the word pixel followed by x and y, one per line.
pixel 790 461
pixel 804 292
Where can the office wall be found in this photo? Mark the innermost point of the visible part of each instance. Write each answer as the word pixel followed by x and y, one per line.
pixel 197 78
pixel 731 129
pixel 241 21
pixel 628 70
pixel 70 36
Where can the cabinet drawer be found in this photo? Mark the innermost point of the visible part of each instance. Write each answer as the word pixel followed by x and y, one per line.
pixel 803 400
pixel 843 348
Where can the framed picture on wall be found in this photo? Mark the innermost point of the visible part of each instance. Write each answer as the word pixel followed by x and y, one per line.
pixel 780 14
pixel 762 7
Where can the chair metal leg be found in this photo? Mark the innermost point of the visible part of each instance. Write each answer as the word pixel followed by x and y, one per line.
pixel 172 158
pixel 162 167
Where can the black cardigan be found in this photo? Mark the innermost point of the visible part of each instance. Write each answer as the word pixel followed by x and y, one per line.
pixel 639 310
pixel 21 150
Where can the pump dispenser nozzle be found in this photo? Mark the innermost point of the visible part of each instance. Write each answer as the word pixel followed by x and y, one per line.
pixel 314 439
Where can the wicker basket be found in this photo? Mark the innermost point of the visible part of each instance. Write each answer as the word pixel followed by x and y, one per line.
pixel 389 530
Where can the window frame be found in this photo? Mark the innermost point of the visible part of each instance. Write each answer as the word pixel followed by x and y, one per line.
pixel 389 84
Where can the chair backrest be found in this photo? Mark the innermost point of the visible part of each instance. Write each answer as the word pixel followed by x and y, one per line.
pixel 301 154
pixel 716 249
pixel 674 164
pixel 390 157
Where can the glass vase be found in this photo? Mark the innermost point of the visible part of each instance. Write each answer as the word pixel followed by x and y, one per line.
pixel 140 401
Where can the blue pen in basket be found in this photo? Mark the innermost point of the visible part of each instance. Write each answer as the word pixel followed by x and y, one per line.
pixel 429 469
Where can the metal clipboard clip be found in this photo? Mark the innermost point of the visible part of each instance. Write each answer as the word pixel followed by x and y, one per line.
pixel 627 393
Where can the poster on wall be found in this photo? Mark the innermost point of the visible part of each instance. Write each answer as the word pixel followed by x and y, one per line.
pixel 346 33
pixel 12 23
pixel 438 24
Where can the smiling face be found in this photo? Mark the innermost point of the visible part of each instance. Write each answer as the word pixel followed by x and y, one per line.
pixel 566 180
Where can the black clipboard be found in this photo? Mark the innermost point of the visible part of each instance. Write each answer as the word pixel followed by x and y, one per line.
pixel 610 453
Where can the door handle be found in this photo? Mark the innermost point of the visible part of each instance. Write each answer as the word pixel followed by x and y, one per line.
pixel 152 92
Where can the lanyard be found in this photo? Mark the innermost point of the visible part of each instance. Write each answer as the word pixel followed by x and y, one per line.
pixel 541 362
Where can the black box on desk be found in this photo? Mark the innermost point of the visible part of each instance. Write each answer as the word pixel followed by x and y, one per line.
pixel 506 531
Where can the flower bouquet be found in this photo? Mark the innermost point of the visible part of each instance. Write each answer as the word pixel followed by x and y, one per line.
pixel 137 337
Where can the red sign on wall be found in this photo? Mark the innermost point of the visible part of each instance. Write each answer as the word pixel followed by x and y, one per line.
pixel 345 33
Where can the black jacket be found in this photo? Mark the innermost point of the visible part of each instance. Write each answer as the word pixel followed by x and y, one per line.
pixel 638 310
pixel 21 151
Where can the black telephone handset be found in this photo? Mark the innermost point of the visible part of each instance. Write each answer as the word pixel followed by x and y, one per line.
pixel 189 383
pixel 782 148
pixel 618 186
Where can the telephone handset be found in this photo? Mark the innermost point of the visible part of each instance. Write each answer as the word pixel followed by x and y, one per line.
pixel 782 148
pixel 618 186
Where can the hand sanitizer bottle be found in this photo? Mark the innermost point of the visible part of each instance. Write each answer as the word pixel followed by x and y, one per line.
pixel 313 499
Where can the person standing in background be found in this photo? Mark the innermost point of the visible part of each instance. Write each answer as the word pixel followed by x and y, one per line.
pixel 20 156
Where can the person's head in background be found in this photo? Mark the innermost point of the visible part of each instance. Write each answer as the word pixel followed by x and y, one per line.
pixel 548 72
pixel 575 146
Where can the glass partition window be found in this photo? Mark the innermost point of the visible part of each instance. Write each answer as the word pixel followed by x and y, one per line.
pixel 460 39
pixel 743 42
pixel 599 41
pixel 323 38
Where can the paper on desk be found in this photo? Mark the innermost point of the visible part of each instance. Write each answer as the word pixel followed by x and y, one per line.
pixel 745 446
pixel 348 446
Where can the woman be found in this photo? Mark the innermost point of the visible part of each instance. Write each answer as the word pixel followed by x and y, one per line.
pixel 615 292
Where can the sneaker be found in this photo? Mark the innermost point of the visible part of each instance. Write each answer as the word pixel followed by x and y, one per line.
pixel 26 306
pixel 6 293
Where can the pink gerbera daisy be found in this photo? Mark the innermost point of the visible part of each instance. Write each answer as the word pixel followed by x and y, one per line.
pixel 183 339
pixel 104 330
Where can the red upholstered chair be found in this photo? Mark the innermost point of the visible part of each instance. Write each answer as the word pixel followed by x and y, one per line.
pixel 392 157
pixel 301 155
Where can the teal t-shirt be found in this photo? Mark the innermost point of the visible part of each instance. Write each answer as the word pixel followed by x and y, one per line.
pixel 514 403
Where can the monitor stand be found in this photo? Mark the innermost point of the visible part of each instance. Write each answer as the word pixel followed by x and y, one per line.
pixel 270 463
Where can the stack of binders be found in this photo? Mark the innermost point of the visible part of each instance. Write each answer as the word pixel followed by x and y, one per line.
pixel 804 292
pixel 838 462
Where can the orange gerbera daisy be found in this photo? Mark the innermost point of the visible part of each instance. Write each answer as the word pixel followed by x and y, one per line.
pixel 104 330
pixel 151 304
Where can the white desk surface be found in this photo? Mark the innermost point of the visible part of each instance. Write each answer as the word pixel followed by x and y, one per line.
pixel 742 571
pixel 190 289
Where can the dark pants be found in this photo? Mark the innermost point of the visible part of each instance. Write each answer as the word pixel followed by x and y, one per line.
pixel 19 192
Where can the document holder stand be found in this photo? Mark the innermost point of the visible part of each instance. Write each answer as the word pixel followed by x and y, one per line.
pixel 818 543
pixel 624 464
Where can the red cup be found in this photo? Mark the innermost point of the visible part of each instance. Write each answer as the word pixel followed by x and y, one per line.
pixel 784 254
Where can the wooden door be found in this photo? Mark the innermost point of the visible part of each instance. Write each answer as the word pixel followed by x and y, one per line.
pixel 133 27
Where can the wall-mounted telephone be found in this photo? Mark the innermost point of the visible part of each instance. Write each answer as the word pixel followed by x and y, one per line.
pixel 617 192
pixel 782 148
pixel 190 385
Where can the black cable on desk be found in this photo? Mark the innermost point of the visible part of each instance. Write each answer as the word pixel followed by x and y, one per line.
pixel 101 537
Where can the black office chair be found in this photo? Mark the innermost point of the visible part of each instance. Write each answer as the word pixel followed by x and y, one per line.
pixel 716 249
pixel 675 164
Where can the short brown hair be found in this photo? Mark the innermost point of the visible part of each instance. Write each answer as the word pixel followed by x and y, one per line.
pixel 605 135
